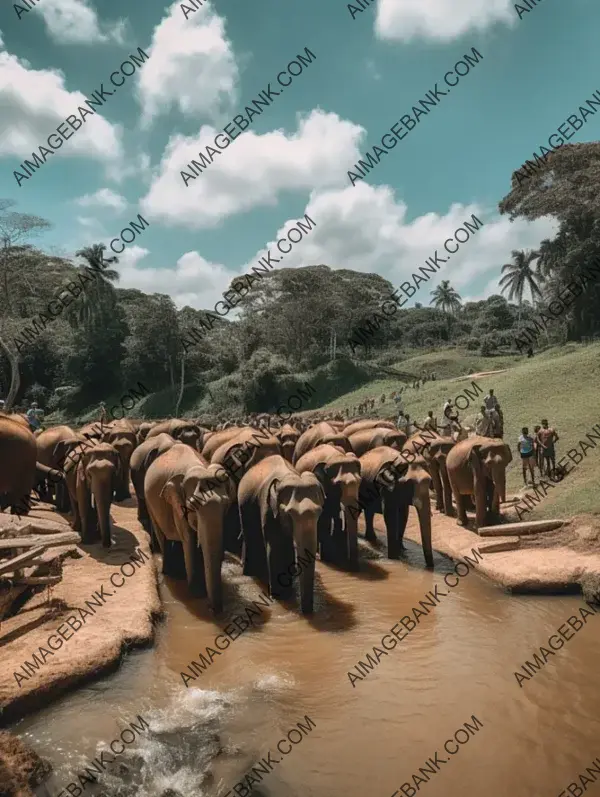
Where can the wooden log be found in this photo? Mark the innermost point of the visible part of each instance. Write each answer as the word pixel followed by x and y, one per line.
pixel 35 580
pixel 17 562
pixel 45 540
pixel 529 527
pixel 510 544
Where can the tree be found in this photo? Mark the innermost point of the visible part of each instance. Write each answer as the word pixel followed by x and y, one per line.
pixel 519 275
pixel 15 229
pixel 92 304
pixel 445 298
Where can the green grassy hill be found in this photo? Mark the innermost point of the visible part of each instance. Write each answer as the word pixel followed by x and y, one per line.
pixel 562 384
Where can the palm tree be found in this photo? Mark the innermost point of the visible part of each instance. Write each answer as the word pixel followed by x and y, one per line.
pixel 92 303
pixel 445 298
pixel 519 275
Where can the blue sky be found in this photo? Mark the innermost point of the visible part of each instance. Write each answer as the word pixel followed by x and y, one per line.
pixel 369 70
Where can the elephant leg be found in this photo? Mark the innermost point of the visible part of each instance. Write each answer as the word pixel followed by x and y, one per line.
pixel 351 534
pixel 174 560
pixel 437 486
pixel 461 512
pixel 324 536
pixel 281 558
pixel 369 530
pixel 391 511
pixel 194 564
pixel 480 502
pixel 232 531
pixel 89 529
pixel 447 493
pixel 403 510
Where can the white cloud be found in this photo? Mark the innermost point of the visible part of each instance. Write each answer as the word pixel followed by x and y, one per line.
pixel 193 281
pixel 76 22
pixel 365 229
pixel 104 198
pixel 251 171
pixel 34 102
pixel 191 66
pixel 441 20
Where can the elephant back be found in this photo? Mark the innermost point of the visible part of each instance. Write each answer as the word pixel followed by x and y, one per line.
pixel 48 444
pixel 217 439
pixel 358 426
pixel 312 437
pixel 372 461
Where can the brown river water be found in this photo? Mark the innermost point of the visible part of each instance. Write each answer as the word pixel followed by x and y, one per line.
pixel 457 666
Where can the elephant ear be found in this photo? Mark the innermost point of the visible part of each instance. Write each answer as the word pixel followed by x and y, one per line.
pixel 273 497
pixel 509 454
pixel 172 493
pixel 475 459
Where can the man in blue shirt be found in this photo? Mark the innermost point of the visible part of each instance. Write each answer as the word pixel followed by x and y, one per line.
pixel 526 450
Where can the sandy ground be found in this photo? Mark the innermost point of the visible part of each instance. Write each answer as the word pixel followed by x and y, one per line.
pixel 476 376
pixel 124 619
pixel 552 561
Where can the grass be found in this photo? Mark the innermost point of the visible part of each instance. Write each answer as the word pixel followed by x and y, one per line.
pixel 561 384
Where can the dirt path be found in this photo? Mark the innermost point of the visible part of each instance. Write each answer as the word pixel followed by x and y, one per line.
pixel 121 616
pixel 481 373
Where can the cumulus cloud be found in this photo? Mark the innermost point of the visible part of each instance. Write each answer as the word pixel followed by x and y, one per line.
pixel 191 66
pixel 103 198
pixel 365 229
pixel 441 20
pixel 76 22
pixel 34 102
pixel 252 171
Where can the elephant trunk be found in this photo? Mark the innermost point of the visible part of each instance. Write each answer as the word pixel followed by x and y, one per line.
pixel 305 538
pixel 102 492
pixel 288 450
pixel 447 489
pixel 499 477
pixel 210 521
pixel 434 469
pixel 351 522
pixel 422 504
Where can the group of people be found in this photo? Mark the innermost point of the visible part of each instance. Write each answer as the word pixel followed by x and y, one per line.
pixel 34 414
pixel 538 449
pixel 490 420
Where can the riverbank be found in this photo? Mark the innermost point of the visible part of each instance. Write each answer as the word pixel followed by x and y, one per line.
pixel 120 588
pixel 562 561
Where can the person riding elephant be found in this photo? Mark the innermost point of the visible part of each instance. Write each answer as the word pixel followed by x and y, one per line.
pixel 389 485
pixel 186 432
pixel 317 435
pixel 288 437
pixel 477 467
pixel 53 447
pixel 358 426
pixel 124 439
pixel 187 503
pixel 98 473
pixel 366 439
pixel 339 475
pixel 141 459
pixel 279 508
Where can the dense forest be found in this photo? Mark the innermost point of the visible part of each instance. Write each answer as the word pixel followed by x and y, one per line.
pixel 295 325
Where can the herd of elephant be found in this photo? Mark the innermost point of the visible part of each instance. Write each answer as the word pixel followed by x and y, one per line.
pixel 264 494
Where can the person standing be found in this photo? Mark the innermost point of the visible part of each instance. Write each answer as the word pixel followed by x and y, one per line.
pixel 547 437
pixel 526 447
pixel 450 419
pixel 32 417
pixel 430 422
pixel 483 423
pixel 490 401
pixel 537 448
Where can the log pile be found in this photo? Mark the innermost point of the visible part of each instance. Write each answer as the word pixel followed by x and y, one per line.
pixel 26 562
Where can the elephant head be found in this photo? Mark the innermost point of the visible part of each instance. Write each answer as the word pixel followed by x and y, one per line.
pixel 199 499
pixel 124 441
pixel 245 450
pixel 143 430
pixel 188 433
pixel 288 437
pixel 99 471
pixel 340 476
pixel 489 460
pixel 296 501
pixel 368 439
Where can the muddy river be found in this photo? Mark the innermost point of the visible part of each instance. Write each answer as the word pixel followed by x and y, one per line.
pixel 445 699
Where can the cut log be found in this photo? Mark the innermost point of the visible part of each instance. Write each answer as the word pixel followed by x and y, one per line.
pixel 45 540
pixel 508 544
pixel 35 580
pixel 529 527
pixel 17 562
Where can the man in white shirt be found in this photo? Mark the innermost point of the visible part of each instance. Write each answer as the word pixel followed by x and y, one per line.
pixel 490 401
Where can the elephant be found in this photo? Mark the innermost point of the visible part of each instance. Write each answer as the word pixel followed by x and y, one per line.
pixel 366 439
pixel 141 459
pixel 53 445
pixel 181 509
pixel 288 437
pixel 389 485
pixel 217 439
pixel 434 448
pixel 124 439
pixel 477 467
pixel 98 473
pixel 339 475
pixel 186 432
pixel 358 426
pixel 279 508
pixel 143 430
pixel 317 435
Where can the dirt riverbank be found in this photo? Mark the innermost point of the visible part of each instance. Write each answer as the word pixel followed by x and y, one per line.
pixel 94 639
